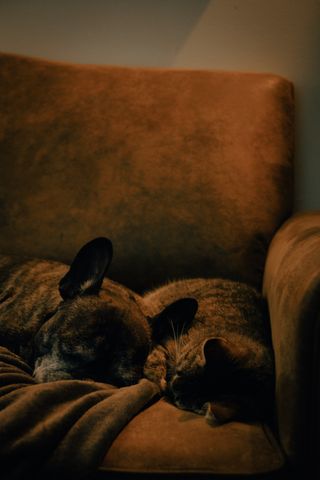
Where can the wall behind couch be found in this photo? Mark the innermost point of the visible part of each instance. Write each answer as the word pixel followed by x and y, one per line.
pixel 280 36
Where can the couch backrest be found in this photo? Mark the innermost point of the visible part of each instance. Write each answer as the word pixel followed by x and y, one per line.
pixel 188 172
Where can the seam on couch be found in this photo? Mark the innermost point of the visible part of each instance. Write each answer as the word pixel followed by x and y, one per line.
pixel 274 443
pixel 276 447
pixel 315 402
pixel 192 471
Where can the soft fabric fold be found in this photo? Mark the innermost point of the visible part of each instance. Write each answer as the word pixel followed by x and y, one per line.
pixel 63 427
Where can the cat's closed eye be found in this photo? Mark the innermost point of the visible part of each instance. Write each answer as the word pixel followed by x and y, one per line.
pixel 77 353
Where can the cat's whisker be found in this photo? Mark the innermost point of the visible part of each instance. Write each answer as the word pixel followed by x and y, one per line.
pixel 174 338
pixel 181 338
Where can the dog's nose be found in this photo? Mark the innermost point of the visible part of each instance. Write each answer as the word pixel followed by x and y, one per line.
pixel 44 375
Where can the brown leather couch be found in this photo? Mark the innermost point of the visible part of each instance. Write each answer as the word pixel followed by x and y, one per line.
pixel 191 174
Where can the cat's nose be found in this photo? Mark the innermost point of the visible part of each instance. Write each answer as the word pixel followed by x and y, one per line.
pixel 176 397
pixel 174 393
pixel 178 400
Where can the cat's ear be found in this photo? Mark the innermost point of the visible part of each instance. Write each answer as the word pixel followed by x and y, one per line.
pixel 218 352
pixel 87 270
pixel 174 319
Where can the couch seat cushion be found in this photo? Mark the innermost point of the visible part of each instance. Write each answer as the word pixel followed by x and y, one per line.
pixel 164 439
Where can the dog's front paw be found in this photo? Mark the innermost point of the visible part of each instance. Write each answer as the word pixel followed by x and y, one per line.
pixel 155 369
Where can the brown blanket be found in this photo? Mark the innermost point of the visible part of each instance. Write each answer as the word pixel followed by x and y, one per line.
pixel 63 428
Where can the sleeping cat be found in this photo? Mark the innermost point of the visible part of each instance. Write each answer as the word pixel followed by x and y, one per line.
pixel 212 351
pixel 70 322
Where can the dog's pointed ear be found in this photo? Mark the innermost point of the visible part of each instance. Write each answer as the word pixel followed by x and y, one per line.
pixel 174 319
pixel 87 270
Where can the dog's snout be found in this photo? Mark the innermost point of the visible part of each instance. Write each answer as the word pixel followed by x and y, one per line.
pixel 48 369
pixel 43 375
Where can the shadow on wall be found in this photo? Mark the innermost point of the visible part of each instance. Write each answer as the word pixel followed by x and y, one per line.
pixel 266 35
pixel 140 32
pixel 307 87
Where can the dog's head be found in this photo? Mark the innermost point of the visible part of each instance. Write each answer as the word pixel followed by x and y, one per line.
pixel 99 331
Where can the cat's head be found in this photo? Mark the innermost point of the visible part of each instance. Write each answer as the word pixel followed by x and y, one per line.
pixel 207 375
pixel 95 333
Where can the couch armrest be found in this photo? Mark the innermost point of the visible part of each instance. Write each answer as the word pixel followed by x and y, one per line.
pixel 292 288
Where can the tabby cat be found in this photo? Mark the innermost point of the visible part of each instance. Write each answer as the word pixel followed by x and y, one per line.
pixel 212 351
pixel 71 322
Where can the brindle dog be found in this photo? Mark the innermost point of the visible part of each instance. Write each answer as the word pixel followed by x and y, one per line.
pixel 71 322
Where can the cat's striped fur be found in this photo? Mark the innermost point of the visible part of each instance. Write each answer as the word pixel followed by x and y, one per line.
pixel 215 354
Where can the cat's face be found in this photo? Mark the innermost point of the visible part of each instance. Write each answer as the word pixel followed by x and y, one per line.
pixel 102 336
pixel 205 379
pixel 209 376
pixel 185 379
